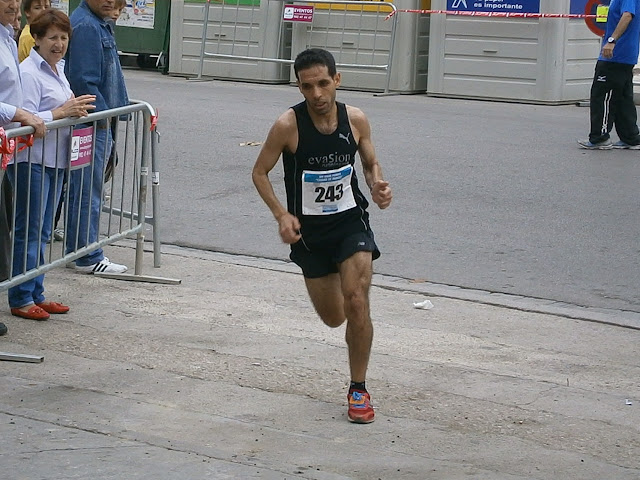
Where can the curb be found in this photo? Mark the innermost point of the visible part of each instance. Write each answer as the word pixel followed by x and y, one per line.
pixel 620 318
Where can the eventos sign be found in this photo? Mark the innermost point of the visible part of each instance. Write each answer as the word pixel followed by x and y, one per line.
pixel 298 13
pixel 510 6
pixel 81 147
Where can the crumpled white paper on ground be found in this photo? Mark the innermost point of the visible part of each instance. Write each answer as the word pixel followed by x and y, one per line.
pixel 426 305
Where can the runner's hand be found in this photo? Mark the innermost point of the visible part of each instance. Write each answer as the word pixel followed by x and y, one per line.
pixel 289 226
pixel 381 194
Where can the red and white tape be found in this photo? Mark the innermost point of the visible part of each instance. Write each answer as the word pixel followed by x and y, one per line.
pixel 500 14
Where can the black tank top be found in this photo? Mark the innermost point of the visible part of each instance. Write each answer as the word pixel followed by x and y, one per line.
pixel 318 152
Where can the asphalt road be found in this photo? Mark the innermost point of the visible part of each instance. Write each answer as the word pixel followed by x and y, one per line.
pixel 487 195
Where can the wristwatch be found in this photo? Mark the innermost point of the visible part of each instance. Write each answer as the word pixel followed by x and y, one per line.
pixel 611 40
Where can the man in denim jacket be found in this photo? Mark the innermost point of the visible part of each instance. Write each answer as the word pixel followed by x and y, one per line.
pixel 93 67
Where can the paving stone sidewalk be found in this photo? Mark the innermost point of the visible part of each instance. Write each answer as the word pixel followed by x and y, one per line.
pixel 231 375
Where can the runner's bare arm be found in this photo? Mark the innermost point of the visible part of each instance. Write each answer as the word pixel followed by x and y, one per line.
pixel 381 193
pixel 281 137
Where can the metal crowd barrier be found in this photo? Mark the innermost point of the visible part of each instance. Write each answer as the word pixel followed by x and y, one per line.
pixel 123 212
pixel 361 48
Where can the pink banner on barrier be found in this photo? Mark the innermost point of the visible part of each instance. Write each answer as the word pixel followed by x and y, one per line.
pixel 298 13
pixel 81 147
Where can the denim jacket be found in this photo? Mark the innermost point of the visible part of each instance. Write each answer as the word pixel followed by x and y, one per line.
pixel 93 66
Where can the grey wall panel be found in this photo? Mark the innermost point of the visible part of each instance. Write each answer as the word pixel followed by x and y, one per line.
pixel 497 68
pixel 358 80
pixel 422 49
pixel 175 36
pixel 366 39
pixel 487 87
pixel 351 21
pixel 483 48
pixel 579 72
pixel 240 31
pixel 545 60
pixel 363 39
pixel 581 51
pixel 498 28
pixel 353 39
pixel 363 42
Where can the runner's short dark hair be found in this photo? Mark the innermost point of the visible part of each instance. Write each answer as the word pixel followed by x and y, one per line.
pixel 314 56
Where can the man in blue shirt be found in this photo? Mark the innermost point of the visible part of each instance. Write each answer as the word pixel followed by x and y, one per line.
pixel 93 68
pixel 11 115
pixel 612 88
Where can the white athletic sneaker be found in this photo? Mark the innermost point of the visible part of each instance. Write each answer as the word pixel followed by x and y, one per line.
pixel 620 145
pixel 104 266
pixel 603 145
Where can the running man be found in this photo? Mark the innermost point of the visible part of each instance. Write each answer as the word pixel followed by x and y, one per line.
pixel 326 220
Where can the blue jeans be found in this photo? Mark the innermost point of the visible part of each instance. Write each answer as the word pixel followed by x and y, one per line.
pixel 6 212
pixel 85 201
pixel 32 237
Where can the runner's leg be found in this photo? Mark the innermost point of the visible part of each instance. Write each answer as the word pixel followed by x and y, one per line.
pixel 346 294
pixel 326 296
pixel 355 274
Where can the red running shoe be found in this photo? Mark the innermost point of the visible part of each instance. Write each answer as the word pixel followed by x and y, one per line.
pixel 360 408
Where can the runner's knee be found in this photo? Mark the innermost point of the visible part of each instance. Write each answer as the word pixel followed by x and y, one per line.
pixel 333 321
pixel 356 305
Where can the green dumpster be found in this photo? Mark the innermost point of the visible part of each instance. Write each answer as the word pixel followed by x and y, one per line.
pixel 143 30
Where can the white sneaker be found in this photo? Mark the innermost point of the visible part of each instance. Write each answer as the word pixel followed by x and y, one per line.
pixel 620 145
pixel 103 266
pixel 603 145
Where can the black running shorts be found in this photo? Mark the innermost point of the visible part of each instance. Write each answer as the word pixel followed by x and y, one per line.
pixel 320 261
